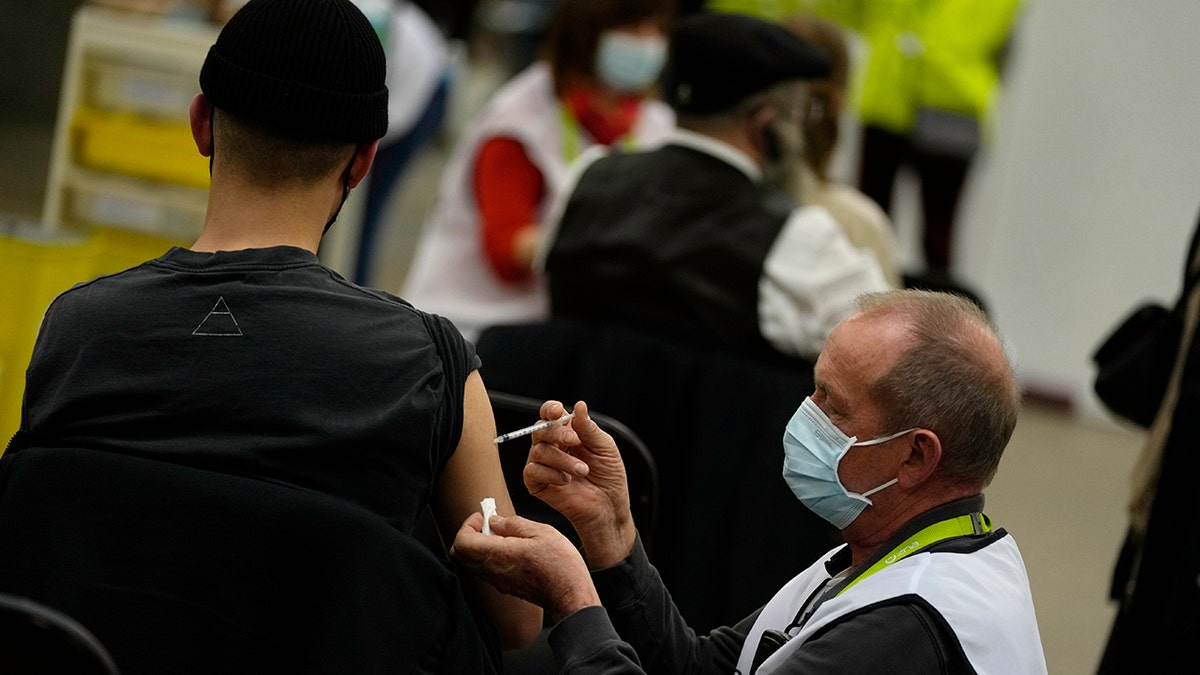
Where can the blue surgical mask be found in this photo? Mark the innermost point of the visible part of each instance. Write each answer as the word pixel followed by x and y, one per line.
pixel 629 63
pixel 812 449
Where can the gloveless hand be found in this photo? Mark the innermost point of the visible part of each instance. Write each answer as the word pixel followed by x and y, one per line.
pixel 577 469
pixel 530 560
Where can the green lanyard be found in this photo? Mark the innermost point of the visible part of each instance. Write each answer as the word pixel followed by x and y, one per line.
pixel 571 133
pixel 972 523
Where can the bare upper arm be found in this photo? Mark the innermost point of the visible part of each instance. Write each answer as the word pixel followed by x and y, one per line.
pixel 473 471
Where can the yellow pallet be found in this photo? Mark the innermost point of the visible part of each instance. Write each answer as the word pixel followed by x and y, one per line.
pixel 32 274
pixel 119 250
pixel 132 145
pixel 34 269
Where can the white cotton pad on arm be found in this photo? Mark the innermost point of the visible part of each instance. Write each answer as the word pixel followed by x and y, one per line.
pixel 489 509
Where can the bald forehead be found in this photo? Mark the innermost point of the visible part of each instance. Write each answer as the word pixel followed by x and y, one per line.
pixel 876 340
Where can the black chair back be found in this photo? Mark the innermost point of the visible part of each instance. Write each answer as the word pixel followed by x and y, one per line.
pixel 37 639
pixel 180 570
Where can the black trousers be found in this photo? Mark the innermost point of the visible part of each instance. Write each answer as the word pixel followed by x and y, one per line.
pixel 942 178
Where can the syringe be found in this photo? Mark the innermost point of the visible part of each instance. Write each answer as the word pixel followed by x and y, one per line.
pixel 532 428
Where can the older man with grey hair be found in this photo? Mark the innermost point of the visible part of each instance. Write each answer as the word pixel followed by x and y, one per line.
pixel 914 404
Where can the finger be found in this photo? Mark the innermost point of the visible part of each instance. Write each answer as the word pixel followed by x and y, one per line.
pixel 538 477
pixel 552 410
pixel 473 522
pixel 516 526
pixel 551 456
pixel 590 434
pixel 560 435
pixel 471 527
pixel 469 539
pixel 548 537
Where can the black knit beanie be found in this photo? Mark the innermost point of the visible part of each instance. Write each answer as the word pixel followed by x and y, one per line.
pixel 311 66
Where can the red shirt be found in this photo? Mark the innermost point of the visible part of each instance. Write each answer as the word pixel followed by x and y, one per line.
pixel 508 190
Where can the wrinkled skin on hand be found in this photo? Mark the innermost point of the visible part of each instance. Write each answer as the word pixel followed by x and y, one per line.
pixel 529 560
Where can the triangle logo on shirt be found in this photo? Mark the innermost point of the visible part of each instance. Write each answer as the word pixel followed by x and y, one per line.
pixel 219 322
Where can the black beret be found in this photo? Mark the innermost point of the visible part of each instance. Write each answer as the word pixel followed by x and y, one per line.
pixel 310 66
pixel 718 60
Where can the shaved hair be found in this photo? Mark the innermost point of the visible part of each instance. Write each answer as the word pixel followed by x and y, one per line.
pixel 274 158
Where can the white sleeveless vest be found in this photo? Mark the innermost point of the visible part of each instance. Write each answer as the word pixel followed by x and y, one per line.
pixel 450 274
pixel 984 597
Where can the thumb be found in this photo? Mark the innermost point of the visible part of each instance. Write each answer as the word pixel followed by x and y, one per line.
pixel 513 526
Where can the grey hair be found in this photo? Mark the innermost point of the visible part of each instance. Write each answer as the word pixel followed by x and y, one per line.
pixel 953 378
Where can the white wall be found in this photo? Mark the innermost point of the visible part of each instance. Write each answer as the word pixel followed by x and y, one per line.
pixel 1085 203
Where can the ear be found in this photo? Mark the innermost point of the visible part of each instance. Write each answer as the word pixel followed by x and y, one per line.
pixel 759 133
pixel 200 115
pixel 362 163
pixel 924 456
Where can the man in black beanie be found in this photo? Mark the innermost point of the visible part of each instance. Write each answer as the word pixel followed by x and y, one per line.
pixel 244 354
pixel 697 239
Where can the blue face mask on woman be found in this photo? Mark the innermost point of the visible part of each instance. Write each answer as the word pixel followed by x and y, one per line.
pixel 629 63
pixel 812 449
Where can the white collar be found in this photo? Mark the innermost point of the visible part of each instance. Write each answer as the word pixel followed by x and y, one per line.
pixel 719 149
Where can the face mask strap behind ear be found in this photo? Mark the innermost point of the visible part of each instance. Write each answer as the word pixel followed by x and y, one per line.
pixel 877 441
pixel 883 439
pixel 872 491
pixel 212 138
pixel 345 189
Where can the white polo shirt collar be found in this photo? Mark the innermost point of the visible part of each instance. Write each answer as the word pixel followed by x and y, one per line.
pixel 719 149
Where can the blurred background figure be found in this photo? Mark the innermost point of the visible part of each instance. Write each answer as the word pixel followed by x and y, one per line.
pixel 419 82
pixel 511 31
pixel 932 72
pixel 865 223
pixel 600 63
pixel 455 17
pixel 1156 580
pixel 698 239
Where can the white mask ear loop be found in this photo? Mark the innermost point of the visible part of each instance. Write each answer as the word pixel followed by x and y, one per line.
pixel 883 439
pixel 888 484
pixel 877 441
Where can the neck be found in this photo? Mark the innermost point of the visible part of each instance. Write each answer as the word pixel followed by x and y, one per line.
pixel 878 524
pixel 241 215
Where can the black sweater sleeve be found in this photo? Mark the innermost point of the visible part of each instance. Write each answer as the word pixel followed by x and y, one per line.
pixel 643 614
pixel 586 643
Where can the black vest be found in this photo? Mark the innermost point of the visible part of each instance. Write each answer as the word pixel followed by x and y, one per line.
pixel 671 240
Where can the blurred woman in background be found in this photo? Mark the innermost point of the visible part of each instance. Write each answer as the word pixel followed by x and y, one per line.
pixel 601 61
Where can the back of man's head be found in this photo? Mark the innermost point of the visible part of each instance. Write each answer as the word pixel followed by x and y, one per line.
pixel 953 377
pixel 295 83
pixel 718 61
